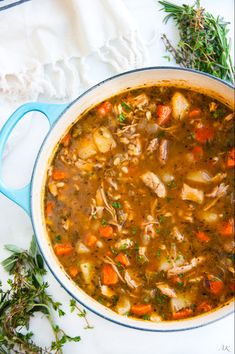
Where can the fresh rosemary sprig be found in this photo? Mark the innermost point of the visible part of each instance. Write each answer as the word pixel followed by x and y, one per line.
pixel 27 294
pixel 203 41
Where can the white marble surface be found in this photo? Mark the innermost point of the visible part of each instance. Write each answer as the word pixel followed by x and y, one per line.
pixel 15 227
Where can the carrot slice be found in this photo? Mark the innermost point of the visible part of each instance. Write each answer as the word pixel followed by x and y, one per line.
pixel 90 240
pixel 106 231
pixel 58 175
pixel 204 134
pixel 142 309
pixel 109 276
pixel 123 259
pixel 163 114
pixel 202 236
pixel 73 271
pixel 49 207
pixel 184 313
pixel 66 140
pixel 231 158
pixel 195 113
pixel 204 307
pixel 197 153
pixel 216 285
pixel 63 249
pixel 227 228
pixel 104 108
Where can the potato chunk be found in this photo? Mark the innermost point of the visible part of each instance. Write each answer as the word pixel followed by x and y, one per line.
pixel 86 147
pixel 180 106
pixel 104 140
pixel 193 194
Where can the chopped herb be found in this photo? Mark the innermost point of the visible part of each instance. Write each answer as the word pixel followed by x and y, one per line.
pixel 162 219
pixel 58 238
pixel 123 247
pixel 126 107
pixel 103 222
pixel 134 230
pixel 121 117
pixel 172 184
pixel 158 253
pixel 146 317
pixel 114 299
pixel 161 134
pixel 81 313
pixel 167 57
pixel 116 205
pixel 136 248
pixel 114 251
pixel 158 231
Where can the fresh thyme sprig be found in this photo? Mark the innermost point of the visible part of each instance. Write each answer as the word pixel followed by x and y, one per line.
pixel 27 294
pixel 203 41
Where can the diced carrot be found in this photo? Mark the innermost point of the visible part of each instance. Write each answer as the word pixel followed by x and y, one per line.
pixel 202 236
pixel 50 206
pixel 204 134
pixel 90 240
pixel 232 286
pixel 216 285
pixel 197 153
pixel 184 313
pixel 63 249
pixel 104 108
pixel 163 114
pixel 123 259
pixel 106 231
pixel 108 253
pixel 66 140
pixel 203 307
pixel 227 228
pixel 109 276
pixel 176 280
pixel 231 158
pixel 58 175
pixel 195 113
pixel 73 271
pixel 141 310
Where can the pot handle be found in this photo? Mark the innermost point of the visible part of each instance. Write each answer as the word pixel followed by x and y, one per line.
pixel 52 112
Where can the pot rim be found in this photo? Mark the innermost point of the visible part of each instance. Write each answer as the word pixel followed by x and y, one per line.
pixel 139 322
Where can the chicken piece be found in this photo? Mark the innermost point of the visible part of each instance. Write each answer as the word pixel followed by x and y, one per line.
pixel 163 152
pixel 166 289
pixel 142 254
pixel 183 300
pixel 124 244
pixel 106 291
pixel 123 306
pixel 139 101
pixel 185 268
pixel 152 146
pixel 189 193
pixel 177 234
pixel 180 106
pixel 132 283
pixel 153 182
pixel 104 140
pixel 218 191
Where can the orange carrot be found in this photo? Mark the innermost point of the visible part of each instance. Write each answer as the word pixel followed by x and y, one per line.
pixel 123 259
pixel 177 280
pixel 227 228
pixel 204 307
pixel 109 276
pixel 63 249
pixel 142 309
pixel 73 271
pixel 232 286
pixel 195 113
pixel 216 285
pixel 231 158
pixel 50 206
pixel 58 175
pixel 197 153
pixel 163 114
pixel 106 231
pixel 104 108
pixel 66 140
pixel 204 134
pixel 184 313
pixel 90 240
pixel 202 236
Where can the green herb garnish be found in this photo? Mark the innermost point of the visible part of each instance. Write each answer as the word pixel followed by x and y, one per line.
pixel 27 294
pixel 203 41
pixel 158 253
pixel 121 117
pixel 103 222
pixel 116 205
pixel 57 238
pixel 126 107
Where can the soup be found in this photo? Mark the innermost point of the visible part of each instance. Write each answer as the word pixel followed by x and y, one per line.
pixel 139 203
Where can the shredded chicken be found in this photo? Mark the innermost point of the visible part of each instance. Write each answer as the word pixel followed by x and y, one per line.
pixel 177 234
pixel 163 151
pixel 186 268
pixel 109 260
pixel 217 193
pixel 130 282
pixel 153 182
pixel 166 289
pixel 139 101
pixel 189 193
pixel 134 148
pixel 152 146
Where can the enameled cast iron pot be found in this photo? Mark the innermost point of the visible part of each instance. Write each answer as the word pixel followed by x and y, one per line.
pixel 61 117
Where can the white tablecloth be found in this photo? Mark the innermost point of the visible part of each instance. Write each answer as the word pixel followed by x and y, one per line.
pixel 15 227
